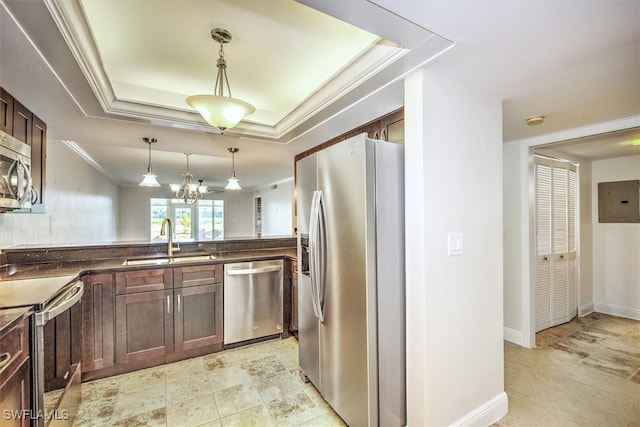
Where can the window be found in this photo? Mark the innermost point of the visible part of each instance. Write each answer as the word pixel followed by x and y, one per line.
pixel 201 221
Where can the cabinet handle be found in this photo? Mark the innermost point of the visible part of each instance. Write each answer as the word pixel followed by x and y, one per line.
pixel 5 358
pixel 561 256
pixel 168 304
pixel 178 303
pixel 545 258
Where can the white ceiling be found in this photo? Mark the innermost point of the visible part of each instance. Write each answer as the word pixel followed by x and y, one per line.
pixel 104 74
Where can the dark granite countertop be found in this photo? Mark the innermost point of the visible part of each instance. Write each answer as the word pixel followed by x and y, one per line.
pixel 90 266
pixel 9 317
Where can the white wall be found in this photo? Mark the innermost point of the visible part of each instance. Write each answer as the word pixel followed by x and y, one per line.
pixel 135 212
pixel 276 208
pixel 512 240
pixel 455 372
pixel 616 247
pixel 81 205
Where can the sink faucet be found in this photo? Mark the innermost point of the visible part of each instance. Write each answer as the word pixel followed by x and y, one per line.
pixel 170 248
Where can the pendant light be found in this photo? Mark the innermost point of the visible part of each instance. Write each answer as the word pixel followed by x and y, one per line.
pixel 149 177
pixel 218 110
pixel 233 181
pixel 189 191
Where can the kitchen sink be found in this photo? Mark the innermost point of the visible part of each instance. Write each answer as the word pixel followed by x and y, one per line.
pixel 168 260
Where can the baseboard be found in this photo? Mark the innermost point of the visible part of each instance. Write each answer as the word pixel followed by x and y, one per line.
pixel 586 309
pixel 513 336
pixel 617 310
pixel 486 414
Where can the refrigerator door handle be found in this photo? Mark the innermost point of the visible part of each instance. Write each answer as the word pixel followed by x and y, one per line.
pixel 321 285
pixel 313 266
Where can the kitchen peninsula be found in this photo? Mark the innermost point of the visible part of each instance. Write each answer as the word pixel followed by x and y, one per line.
pixel 142 308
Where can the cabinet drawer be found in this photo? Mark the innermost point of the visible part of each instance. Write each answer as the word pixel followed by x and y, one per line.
pixel 198 275
pixel 14 349
pixel 156 279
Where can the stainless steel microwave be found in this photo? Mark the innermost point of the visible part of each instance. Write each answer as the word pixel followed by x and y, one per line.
pixel 15 173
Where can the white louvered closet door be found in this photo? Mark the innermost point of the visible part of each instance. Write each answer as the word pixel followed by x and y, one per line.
pixel 555 201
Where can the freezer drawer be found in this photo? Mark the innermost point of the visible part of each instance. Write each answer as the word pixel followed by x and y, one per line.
pixel 252 300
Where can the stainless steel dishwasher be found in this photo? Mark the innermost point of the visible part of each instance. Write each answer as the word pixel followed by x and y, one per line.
pixel 252 300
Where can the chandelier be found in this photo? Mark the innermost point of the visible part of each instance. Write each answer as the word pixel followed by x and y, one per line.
pixel 219 110
pixel 189 191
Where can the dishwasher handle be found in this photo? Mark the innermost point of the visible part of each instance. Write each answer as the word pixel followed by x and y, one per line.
pixel 247 271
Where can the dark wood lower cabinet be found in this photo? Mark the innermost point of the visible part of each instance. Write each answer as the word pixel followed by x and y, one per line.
pixel 198 316
pixel 98 321
pixel 15 376
pixel 15 397
pixel 144 326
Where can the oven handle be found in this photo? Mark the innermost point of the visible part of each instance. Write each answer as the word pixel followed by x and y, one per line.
pixel 62 303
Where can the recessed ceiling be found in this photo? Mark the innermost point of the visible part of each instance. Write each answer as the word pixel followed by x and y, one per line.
pixel 145 57
pixel 577 68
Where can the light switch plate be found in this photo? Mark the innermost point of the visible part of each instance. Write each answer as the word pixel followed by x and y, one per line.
pixel 455 244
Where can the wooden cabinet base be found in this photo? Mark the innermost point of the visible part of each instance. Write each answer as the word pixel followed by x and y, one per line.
pixel 149 363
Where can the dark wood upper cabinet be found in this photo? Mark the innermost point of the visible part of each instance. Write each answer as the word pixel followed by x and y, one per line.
pixel 21 122
pixel 371 129
pixel 38 162
pixel 392 127
pixel 6 112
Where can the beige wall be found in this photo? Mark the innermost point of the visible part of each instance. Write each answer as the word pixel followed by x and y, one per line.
pixel 81 205
pixel 277 209
pixel 616 247
pixel 453 179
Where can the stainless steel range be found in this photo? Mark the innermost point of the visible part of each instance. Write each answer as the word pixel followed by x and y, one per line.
pixel 56 343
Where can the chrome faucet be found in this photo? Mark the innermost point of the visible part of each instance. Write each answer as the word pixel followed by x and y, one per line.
pixel 170 248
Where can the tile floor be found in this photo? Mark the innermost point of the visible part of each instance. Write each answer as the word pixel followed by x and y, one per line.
pixel 257 385
pixel 583 373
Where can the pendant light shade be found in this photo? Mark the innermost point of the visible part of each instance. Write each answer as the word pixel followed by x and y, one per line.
pixel 149 179
pixel 233 183
pixel 218 110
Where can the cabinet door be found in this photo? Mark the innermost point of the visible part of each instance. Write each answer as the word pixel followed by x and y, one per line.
pixel 38 162
pixel 372 129
pixel 144 326
pixel 197 275
pixel 15 397
pixel 155 279
pixel 392 127
pixel 21 122
pixel 6 112
pixel 15 378
pixel 198 316
pixel 98 321
pixel 62 347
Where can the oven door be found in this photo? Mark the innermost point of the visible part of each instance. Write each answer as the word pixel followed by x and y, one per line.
pixel 57 362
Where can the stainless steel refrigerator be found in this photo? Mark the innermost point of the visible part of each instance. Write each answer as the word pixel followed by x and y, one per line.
pixel 351 332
